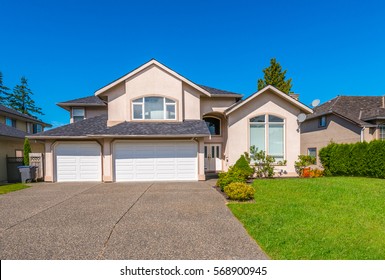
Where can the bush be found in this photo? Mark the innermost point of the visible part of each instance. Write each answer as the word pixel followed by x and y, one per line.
pixel 27 151
pixel 303 161
pixel 239 191
pixel 315 173
pixel 263 163
pixel 359 159
pixel 232 175
pixel 243 164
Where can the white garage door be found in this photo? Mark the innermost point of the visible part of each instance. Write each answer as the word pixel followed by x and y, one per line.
pixel 155 161
pixel 78 162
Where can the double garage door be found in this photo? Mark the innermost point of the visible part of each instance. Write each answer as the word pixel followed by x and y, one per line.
pixel 132 161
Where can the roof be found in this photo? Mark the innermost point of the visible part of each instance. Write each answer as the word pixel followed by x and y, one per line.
pixel 10 111
pixel 97 127
pixel 283 95
pixel 83 101
pixel 9 131
pixel 357 109
pixel 219 92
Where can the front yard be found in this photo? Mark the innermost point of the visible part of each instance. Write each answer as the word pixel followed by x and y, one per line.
pixel 320 218
pixel 12 187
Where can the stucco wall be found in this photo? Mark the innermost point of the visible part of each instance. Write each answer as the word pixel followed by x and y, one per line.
pixel 215 104
pixel 191 103
pixel 267 103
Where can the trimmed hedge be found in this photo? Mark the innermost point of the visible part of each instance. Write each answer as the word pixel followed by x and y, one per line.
pixel 360 159
pixel 239 191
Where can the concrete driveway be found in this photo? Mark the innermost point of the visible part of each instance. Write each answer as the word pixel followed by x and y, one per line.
pixel 121 221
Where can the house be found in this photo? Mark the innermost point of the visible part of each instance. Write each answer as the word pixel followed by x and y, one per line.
pixel 153 124
pixel 14 126
pixel 344 119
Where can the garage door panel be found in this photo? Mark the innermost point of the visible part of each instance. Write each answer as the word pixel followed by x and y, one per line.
pixel 156 161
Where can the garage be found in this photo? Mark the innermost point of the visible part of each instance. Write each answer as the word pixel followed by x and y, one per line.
pixel 78 161
pixel 155 161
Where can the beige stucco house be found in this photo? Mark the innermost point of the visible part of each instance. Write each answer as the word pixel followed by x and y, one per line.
pixel 344 119
pixel 153 124
pixel 14 126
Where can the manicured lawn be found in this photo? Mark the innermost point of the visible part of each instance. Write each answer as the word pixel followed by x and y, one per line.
pixel 11 188
pixel 320 218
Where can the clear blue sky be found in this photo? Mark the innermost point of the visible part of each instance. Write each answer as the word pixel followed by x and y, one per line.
pixel 68 49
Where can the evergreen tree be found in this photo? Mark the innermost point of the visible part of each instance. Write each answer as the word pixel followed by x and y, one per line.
pixel 27 151
pixel 273 75
pixel 21 100
pixel 3 91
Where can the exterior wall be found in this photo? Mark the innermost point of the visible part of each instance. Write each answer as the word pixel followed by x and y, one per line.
pixel 21 125
pixel 238 128
pixel 215 104
pixel 90 111
pixel 2 119
pixel 191 103
pixel 337 130
pixel 117 103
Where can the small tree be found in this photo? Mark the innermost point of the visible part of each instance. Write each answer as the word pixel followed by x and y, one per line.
pixel 273 75
pixel 21 99
pixel 27 151
pixel 3 91
pixel 263 163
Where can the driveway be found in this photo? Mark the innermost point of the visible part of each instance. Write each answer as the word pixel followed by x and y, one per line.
pixel 174 220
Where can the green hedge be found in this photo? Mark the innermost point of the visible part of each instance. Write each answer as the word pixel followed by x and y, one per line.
pixel 359 159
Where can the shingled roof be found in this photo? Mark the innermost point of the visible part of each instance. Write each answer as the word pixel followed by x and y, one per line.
pixel 97 126
pixel 358 109
pixel 13 112
pixel 215 91
pixel 83 101
pixel 9 131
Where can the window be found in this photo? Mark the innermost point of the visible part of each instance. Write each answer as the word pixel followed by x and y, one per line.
pixel 78 114
pixel 267 134
pixel 18 153
pixel 153 108
pixel 214 125
pixel 322 121
pixel 312 152
pixel 37 128
pixel 381 128
pixel 29 127
pixel 10 122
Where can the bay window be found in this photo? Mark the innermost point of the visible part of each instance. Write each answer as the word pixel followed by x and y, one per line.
pixel 153 108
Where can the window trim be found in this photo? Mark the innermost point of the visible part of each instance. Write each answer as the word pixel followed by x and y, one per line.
pixel 320 121
pixel 142 103
pixel 78 108
pixel 266 126
pixel 13 122
pixel 220 126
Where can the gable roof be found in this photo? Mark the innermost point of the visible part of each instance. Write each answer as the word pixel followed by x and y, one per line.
pixel 97 127
pixel 146 65
pixel 9 131
pixel 83 101
pixel 357 109
pixel 14 113
pixel 283 95
pixel 220 92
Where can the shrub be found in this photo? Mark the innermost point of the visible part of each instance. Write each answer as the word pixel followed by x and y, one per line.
pixel 27 151
pixel 239 191
pixel 231 176
pixel 263 163
pixel 303 161
pixel 243 164
pixel 315 173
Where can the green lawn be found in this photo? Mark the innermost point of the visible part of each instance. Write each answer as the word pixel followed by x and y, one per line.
pixel 11 188
pixel 320 218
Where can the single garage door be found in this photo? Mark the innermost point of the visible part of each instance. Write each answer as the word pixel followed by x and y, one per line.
pixel 76 162
pixel 155 161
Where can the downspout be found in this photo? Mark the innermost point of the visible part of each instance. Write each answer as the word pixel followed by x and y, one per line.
pixel 362 134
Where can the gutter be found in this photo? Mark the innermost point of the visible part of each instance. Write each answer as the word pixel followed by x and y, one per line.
pixel 118 136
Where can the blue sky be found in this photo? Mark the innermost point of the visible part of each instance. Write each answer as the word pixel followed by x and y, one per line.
pixel 68 49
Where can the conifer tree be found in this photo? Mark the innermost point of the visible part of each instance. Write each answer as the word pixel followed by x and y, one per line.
pixel 273 75
pixel 21 99
pixel 3 91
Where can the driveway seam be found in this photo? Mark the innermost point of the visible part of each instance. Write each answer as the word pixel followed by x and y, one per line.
pixel 113 227
pixel 21 221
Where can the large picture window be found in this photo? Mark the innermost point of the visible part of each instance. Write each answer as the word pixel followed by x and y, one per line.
pixel 153 108
pixel 214 125
pixel 267 133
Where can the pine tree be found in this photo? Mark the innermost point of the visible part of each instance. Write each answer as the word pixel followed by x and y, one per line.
pixel 3 91
pixel 27 151
pixel 21 100
pixel 273 75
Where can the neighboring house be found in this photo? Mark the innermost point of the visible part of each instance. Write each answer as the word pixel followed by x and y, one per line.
pixel 14 126
pixel 153 124
pixel 344 119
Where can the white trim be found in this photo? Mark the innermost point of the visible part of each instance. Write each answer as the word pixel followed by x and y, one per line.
pixel 165 103
pixel 276 91
pixel 146 65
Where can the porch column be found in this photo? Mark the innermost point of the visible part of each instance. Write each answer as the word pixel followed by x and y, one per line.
pixel 49 163
pixel 107 161
pixel 201 160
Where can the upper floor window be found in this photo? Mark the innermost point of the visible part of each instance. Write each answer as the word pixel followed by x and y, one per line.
pixel 267 133
pixel 78 114
pixel 10 122
pixel 29 127
pixel 153 108
pixel 322 121
pixel 37 128
pixel 214 125
pixel 381 133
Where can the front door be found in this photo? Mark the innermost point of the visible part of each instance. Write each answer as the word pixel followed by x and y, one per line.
pixel 213 161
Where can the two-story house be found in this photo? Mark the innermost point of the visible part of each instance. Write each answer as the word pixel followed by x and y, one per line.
pixel 343 119
pixel 153 124
pixel 14 126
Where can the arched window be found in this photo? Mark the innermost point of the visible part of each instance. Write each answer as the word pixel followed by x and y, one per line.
pixel 267 133
pixel 214 125
pixel 153 108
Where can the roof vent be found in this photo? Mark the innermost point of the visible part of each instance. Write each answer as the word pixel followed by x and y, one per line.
pixel 294 95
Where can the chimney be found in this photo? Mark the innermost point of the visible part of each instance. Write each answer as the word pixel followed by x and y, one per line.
pixel 383 101
pixel 294 95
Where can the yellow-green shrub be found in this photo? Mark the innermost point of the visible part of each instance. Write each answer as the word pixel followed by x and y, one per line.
pixel 239 191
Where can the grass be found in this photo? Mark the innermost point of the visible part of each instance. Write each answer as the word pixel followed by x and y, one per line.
pixel 12 188
pixel 321 218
